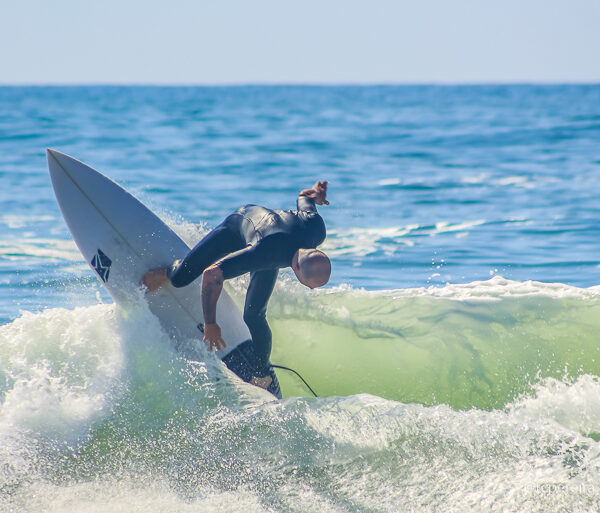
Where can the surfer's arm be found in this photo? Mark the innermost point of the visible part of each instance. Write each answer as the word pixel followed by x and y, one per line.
pixel 212 285
pixel 314 228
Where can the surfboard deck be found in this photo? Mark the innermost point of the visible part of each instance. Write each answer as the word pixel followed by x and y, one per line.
pixel 121 239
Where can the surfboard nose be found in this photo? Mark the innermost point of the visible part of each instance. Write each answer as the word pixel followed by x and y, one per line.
pixel 50 152
pixel 59 162
pixel 51 156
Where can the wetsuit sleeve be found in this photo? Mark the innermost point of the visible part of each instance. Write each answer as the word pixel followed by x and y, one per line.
pixel 314 227
pixel 255 310
pixel 216 244
pixel 264 255
pixel 306 204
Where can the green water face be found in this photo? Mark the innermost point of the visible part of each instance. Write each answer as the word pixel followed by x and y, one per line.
pixel 465 353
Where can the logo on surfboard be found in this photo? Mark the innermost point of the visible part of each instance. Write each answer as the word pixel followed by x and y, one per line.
pixel 101 264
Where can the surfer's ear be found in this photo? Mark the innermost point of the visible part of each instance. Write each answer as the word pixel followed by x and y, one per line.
pixel 295 267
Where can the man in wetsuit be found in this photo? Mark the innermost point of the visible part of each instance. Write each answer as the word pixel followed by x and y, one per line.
pixel 259 241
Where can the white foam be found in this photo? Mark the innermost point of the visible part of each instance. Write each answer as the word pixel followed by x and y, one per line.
pixel 365 241
pixel 126 495
pixel 53 249
pixel 444 227
pixel 476 179
pixel 495 288
pixel 518 181
pixel 360 242
pixel 389 181
pixel 60 368
pixel 573 404
pixel 21 221
pixel 505 181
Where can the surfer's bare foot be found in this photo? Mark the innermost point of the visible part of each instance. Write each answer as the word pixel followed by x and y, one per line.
pixel 154 279
pixel 261 382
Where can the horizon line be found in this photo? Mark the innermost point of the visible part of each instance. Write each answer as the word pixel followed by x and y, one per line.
pixel 306 84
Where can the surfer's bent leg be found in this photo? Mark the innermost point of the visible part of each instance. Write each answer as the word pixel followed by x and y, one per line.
pixel 259 291
pixel 221 241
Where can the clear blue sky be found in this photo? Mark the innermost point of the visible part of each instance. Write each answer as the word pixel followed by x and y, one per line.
pixel 306 41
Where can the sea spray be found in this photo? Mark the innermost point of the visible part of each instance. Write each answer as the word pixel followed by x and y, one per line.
pixel 350 454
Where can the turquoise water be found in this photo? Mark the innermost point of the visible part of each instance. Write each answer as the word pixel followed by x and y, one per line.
pixel 455 352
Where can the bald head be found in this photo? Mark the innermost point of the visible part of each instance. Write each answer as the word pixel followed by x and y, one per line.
pixel 312 267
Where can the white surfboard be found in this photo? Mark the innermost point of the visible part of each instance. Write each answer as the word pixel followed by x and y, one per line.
pixel 121 239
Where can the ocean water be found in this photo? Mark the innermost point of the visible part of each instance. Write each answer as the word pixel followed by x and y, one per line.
pixel 455 352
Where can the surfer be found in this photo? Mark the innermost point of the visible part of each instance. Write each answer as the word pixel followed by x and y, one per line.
pixel 260 241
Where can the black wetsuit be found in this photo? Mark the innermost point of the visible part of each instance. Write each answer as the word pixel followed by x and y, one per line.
pixel 259 241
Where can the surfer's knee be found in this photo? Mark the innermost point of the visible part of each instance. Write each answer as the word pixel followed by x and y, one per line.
pixel 177 274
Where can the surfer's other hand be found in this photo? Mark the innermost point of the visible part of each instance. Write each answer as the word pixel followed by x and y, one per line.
pixel 154 279
pixel 212 335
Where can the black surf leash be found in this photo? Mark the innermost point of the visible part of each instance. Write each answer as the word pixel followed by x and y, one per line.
pixel 297 374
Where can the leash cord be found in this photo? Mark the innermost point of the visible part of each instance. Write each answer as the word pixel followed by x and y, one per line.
pixel 297 374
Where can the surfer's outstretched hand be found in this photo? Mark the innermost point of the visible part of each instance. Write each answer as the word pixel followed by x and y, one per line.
pixel 320 188
pixel 212 335
pixel 154 279
pixel 318 192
